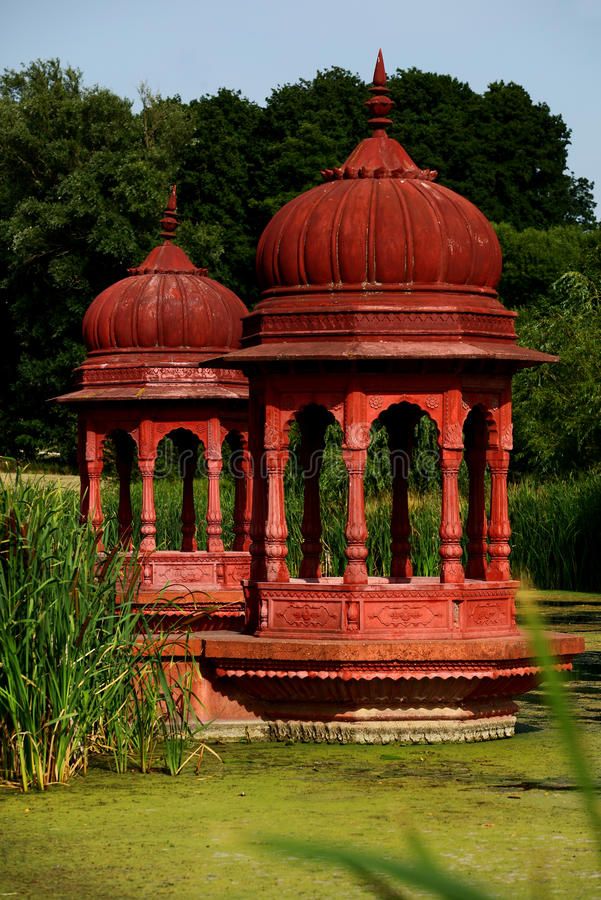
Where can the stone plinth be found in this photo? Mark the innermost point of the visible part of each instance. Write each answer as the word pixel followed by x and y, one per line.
pixel 383 608
pixel 368 691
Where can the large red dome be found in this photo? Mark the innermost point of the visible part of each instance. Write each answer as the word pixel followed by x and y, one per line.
pixel 380 252
pixel 379 223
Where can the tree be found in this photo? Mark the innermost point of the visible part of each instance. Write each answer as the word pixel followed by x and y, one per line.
pixel 309 126
pixel 217 186
pixel 78 203
pixel 505 153
pixel 557 408
pixel 534 259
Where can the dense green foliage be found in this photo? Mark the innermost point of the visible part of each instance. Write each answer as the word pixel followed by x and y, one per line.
pixel 83 178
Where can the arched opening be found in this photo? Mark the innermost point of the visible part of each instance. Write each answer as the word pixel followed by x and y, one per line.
pixel 314 422
pixel 119 461
pixel 236 494
pixel 177 463
pixel 403 466
pixel 475 433
pixel 314 463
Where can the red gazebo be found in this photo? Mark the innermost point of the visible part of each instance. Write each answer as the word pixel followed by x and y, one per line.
pixel 378 304
pixel 140 382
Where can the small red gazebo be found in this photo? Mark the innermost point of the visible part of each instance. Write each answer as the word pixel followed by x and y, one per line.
pixel 379 305
pixel 140 382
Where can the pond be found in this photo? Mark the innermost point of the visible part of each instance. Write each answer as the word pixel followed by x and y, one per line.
pixel 503 814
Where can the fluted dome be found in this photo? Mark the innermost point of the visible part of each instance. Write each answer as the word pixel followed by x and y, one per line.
pixel 380 252
pixel 147 333
pixel 167 303
pixel 379 223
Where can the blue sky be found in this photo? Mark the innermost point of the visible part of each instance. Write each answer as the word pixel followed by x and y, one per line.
pixel 552 48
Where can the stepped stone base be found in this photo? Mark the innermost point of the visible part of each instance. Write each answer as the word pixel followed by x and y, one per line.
pixel 434 731
pixel 362 691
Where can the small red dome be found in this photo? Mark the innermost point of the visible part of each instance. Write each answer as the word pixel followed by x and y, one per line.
pixel 147 334
pixel 165 304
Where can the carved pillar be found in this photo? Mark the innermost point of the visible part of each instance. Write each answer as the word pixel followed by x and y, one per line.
pixel 242 500
pixel 214 467
pixel 354 453
pixel 356 526
pixel 146 463
pixel 499 530
pixel 276 530
pixel 124 462
pixel 400 526
pixel 256 434
pixel 189 461
pixel 476 525
pixel 94 471
pixel 450 524
pixel 148 528
pixel 311 461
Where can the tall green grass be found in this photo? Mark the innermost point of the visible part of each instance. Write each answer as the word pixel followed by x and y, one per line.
pixel 556 532
pixel 556 525
pixel 75 672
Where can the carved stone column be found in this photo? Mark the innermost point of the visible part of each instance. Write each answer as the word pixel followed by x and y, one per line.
pixel 356 526
pixel 94 471
pixel 311 461
pixel 84 481
pixel 256 435
pixel 276 530
pixel 476 525
pixel 242 500
pixel 214 467
pixel 124 463
pixel 354 454
pixel 148 528
pixel 450 525
pixel 499 530
pixel 189 461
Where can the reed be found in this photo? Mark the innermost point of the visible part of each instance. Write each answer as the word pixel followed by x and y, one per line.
pixel 556 527
pixel 64 645
pixel 77 674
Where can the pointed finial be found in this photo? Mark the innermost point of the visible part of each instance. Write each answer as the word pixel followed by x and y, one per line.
pixel 379 79
pixel 169 220
pixel 379 104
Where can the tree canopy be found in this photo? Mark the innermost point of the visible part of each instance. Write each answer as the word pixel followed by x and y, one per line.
pixel 84 177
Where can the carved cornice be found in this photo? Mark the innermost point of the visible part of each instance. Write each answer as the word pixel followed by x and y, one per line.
pixel 157 374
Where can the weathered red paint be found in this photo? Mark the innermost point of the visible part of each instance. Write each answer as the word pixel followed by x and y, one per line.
pixel 379 303
pixel 145 336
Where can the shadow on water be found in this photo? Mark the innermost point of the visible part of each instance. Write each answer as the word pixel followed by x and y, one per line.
pixel 524 728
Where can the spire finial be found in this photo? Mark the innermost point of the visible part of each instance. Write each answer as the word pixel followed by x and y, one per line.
pixel 379 104
pixel 379 79
pixel 169 220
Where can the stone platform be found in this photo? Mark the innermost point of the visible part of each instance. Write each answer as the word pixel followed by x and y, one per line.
pixel 365 691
